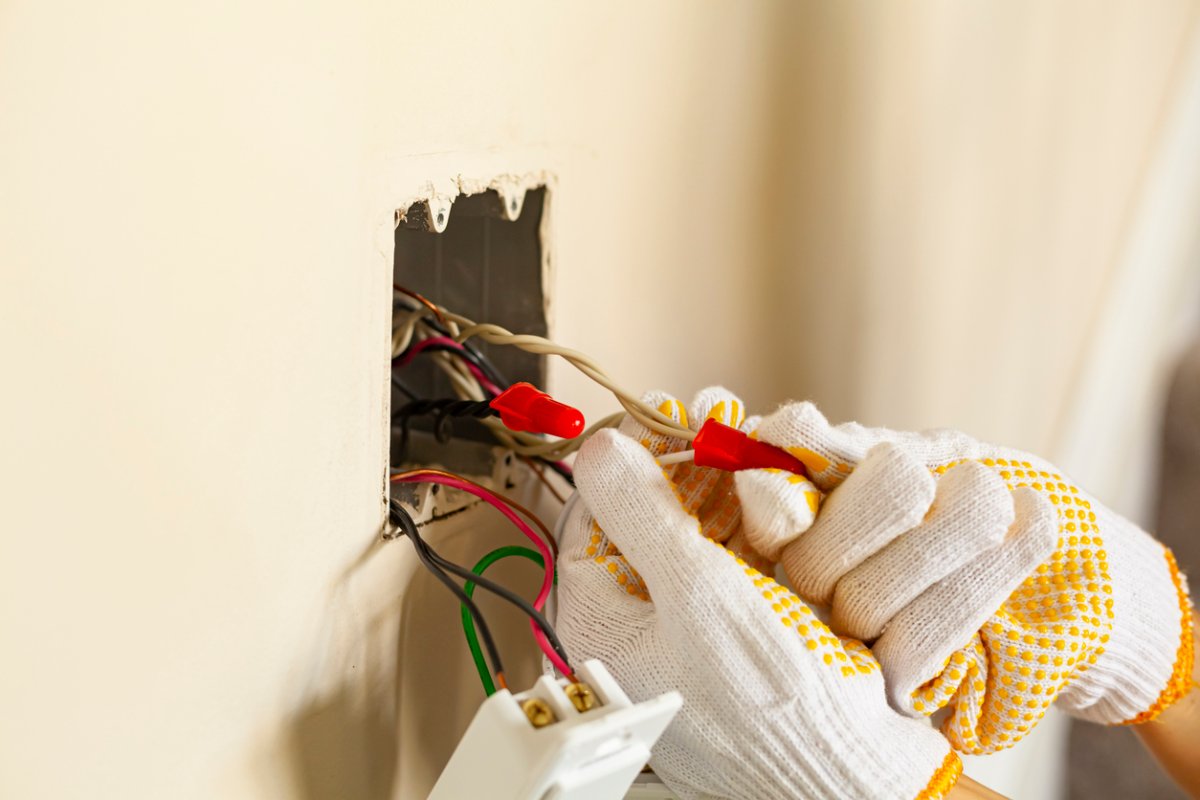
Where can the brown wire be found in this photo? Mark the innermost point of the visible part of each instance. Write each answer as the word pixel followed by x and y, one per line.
pixel 541 476
pixel 423 300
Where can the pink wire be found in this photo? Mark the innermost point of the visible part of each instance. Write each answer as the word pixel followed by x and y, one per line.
pixel 494 501
pixel 413 351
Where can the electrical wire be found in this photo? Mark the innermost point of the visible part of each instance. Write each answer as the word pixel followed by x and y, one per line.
pixel 501 591
pixel 547 546
pixel 476 387
pixel 562 469
pixel 446 408
pixel 437 312
pixel 442 411
pixel 540 471
pixel 550 450
pixel 465 385
pixel 543 630
pixel 469 361
pixel 468 622
pixel 652 418
pixel 463 328
pixel 402 334
pixel 428 475
pixel 404 521
pixel 508 596
pixel 520 442
pixel 492 371
pixel 446 344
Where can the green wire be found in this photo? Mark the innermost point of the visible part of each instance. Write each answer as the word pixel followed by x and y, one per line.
pixel 485 676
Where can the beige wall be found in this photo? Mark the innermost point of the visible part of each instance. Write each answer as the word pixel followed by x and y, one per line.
pixel 986 219
pixel 197 208
pixel 196 246
pixel 652 118
pixel 961 182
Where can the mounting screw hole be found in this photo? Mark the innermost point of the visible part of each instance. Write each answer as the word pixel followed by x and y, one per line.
pixel 441 218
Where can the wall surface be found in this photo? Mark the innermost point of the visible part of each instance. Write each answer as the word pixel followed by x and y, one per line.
pixel 961 185
pixel 986 220
pixel 196 247
pixel 198 205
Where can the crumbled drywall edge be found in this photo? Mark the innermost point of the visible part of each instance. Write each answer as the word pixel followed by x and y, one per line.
pixel 511 188
pixel 439 193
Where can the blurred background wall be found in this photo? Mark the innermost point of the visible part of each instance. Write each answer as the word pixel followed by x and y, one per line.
pixel 985 218
pixel 931 214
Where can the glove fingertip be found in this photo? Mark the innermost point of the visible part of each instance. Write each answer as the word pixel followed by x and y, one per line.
pixel 828 452
pixel 716 402
pixel 777 507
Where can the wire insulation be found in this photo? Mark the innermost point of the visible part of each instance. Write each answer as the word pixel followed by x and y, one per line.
pixel 468 621
pixel 650 417
pixel 420 298
pixel 474 386
pixel 404 521
pixel 508 596
pixel 446 344
pixel 678 457
pixel 505 507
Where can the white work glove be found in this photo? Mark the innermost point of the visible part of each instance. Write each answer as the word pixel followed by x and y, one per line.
pixel 996 589
pixel 775 705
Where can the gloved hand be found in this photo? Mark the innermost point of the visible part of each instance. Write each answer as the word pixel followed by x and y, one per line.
pixel 998 588
pixel 775 705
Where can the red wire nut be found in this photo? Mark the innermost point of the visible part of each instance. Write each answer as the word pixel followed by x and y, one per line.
pixel 727 448
pixel 523 408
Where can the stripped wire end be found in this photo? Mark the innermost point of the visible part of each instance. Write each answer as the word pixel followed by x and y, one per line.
pixel 678 457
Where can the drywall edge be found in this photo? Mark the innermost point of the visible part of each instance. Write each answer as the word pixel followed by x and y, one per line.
pixel 437 179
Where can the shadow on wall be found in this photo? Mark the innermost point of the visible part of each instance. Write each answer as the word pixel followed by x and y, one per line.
pixel 341 749
pixel 343 744
pixel 1109 763
pixel 397 707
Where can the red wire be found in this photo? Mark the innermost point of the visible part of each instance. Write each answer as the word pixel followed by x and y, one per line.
pixel 417 347
pixel 501 505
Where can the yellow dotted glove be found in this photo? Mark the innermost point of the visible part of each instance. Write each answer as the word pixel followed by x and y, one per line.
pixel 775 705
pixel 1051 597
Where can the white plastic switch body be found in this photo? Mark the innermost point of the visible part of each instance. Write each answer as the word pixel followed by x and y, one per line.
pixel 581 755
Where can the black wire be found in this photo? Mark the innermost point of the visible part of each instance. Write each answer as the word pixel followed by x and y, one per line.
pixel 443 412
pixel 506 594
pixel 446 407
pixel 559 470
pixel 401 519
pixel 464 354
pixel 469 353
pixel 399 384
pixel 485 364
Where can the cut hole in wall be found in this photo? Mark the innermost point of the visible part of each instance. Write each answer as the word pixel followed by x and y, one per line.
pixel 481 257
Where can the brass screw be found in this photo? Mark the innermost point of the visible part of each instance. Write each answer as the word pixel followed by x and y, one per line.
pixel 539 713
pixel 581 696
